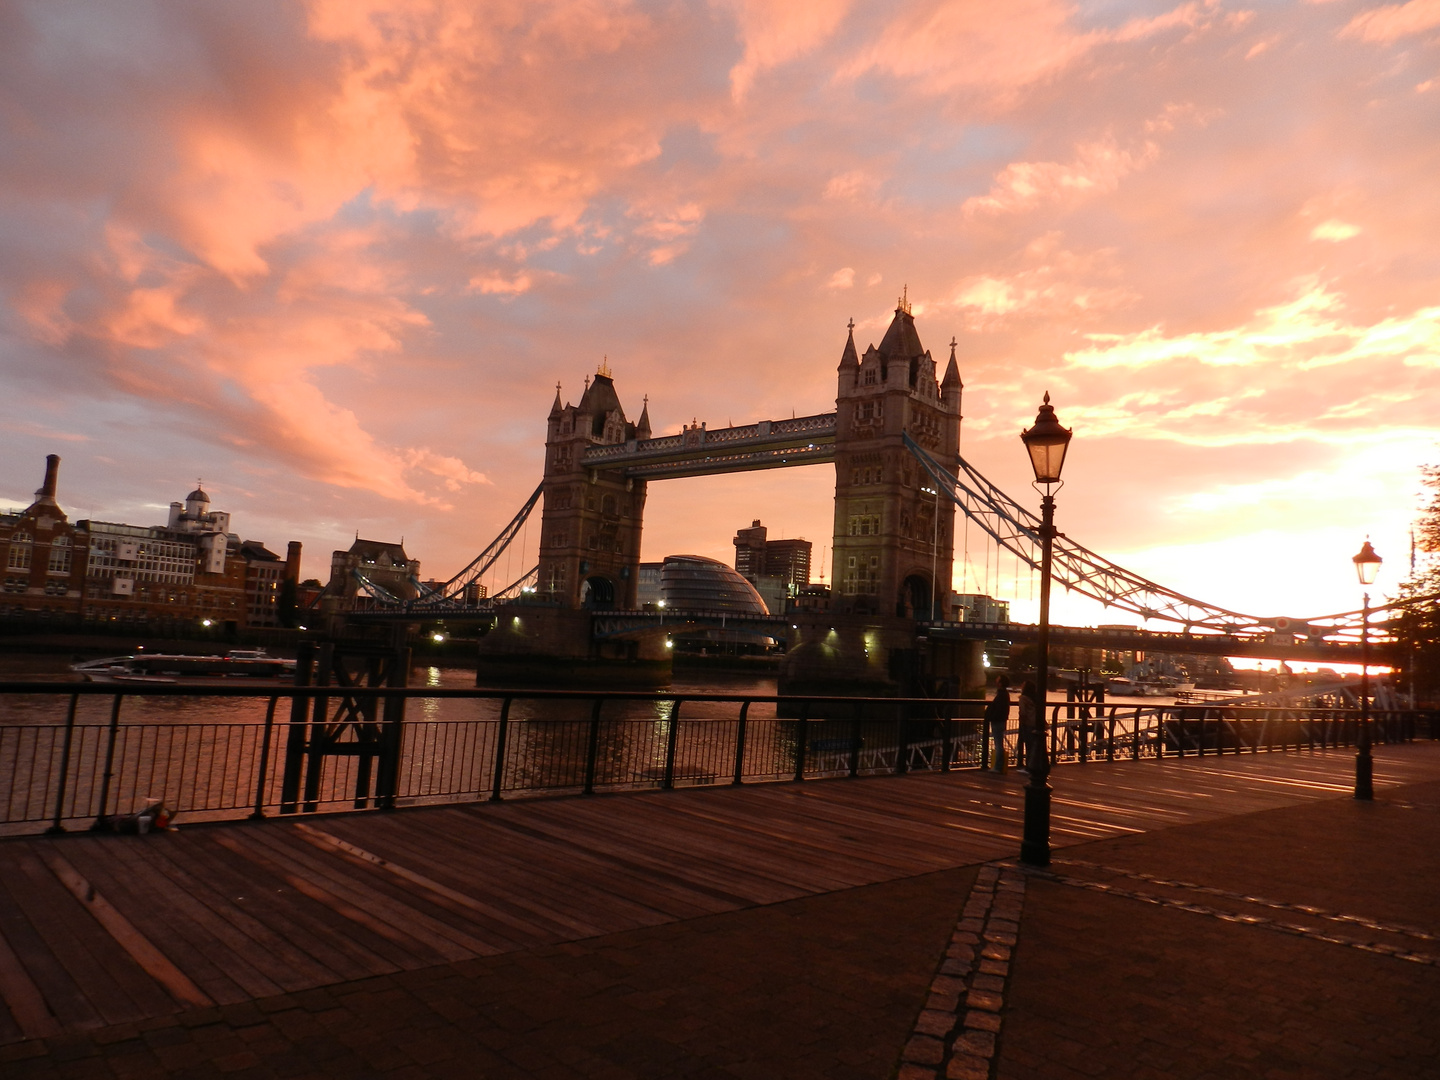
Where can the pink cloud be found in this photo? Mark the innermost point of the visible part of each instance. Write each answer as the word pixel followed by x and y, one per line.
pixel 345 250
pixel 1394 21
pixel 775 33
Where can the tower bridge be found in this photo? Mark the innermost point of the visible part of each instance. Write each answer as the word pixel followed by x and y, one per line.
pixel 893 440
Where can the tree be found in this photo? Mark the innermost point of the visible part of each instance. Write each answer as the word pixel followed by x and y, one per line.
pixel 1417 630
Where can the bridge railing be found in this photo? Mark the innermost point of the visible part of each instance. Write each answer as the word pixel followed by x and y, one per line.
pixel 1084 732
pixel 76 755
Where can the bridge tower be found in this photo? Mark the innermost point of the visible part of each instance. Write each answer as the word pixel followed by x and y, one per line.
pixel 894 536
pixel 591 518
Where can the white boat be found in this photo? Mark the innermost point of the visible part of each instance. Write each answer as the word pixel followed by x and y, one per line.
pixel 248 665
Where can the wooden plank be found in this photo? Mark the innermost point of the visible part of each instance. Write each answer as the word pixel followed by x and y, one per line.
pixel 56 985
pixel 394 946
pixel 664 825
pixel 156 964
pixel 451 851
pixel 371 891
pixel 462 868
pixel 664 892
pixel 439 854
pixel 678 863
pixel 440 893
pixel 237 930
pixel 610 899
pixel 311 929
pixel 32 1017
pixel 208 948
pixel 99 969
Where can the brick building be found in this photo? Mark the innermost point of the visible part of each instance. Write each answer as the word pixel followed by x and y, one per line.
pixel 152 578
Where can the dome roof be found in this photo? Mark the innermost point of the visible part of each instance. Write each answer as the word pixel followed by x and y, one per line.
pixel 198 495
pixel 695 583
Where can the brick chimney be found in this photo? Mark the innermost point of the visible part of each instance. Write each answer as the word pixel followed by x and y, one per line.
pixel 52 477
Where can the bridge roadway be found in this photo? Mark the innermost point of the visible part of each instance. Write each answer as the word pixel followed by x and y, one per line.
pixel 622 624
pixel 1276 646
pixel 619 624
pixel 734 931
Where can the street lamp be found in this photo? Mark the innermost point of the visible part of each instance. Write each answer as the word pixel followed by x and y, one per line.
pixel 1367 567
pixel 1046 442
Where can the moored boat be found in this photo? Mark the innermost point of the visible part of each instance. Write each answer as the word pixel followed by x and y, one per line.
pixel 248 665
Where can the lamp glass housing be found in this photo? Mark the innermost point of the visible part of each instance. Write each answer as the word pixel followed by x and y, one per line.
pixel 1046 442
pixel 1367 564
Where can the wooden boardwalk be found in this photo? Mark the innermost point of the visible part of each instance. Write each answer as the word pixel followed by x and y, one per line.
pixel 101 930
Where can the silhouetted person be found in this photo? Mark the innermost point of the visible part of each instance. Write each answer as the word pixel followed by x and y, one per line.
pixel 1029 706
pixel 997 715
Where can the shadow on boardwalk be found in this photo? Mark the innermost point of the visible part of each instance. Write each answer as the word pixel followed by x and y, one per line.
pixel 784 930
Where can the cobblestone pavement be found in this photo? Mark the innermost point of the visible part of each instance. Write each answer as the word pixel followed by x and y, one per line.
pixel 826 986
pixel 1301 942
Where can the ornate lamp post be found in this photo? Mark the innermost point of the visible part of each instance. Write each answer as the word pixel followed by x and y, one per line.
pixel 1367 566
pixel 1046 442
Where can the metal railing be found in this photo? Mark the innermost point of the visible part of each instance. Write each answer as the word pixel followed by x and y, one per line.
pixel 72 754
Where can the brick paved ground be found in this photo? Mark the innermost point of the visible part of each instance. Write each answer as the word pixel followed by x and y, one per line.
pixel 1107 985
pixel 1191 983
pixel 826 986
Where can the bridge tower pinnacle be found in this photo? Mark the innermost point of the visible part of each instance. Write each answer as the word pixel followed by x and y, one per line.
pixel 591 519
pixel 894 538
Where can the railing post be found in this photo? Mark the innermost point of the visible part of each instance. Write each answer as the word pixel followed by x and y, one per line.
pixel 855 742
pixel 801 734
pixel 295 737
pixel 947 740
pixel 1135 738
pixel 902 745
pixel 109 764
pixel 392 727
pixel 740 743
pixel 668 784
pixel 497 779
pixel 264 770
pixel 592 748
pixel 56 828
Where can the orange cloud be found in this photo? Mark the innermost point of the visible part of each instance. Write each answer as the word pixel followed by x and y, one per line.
pixel 1394 21
pixel 775 33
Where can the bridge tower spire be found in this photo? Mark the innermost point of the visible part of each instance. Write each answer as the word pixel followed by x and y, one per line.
pixel 591 518
pixel 894 539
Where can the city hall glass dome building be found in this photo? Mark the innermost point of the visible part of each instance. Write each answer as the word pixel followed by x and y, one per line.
pixel 695 583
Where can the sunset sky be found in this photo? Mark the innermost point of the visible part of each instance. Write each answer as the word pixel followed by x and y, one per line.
pixel 333 257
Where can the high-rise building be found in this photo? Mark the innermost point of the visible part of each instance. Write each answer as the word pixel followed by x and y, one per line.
pixel 778 569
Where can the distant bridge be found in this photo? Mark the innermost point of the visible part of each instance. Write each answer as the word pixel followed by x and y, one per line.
pixel 1269 646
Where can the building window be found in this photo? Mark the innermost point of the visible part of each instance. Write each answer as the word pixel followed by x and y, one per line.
pixel 20 552
pixel 864 524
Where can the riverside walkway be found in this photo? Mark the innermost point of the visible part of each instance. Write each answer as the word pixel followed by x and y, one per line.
pixel 1234 915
